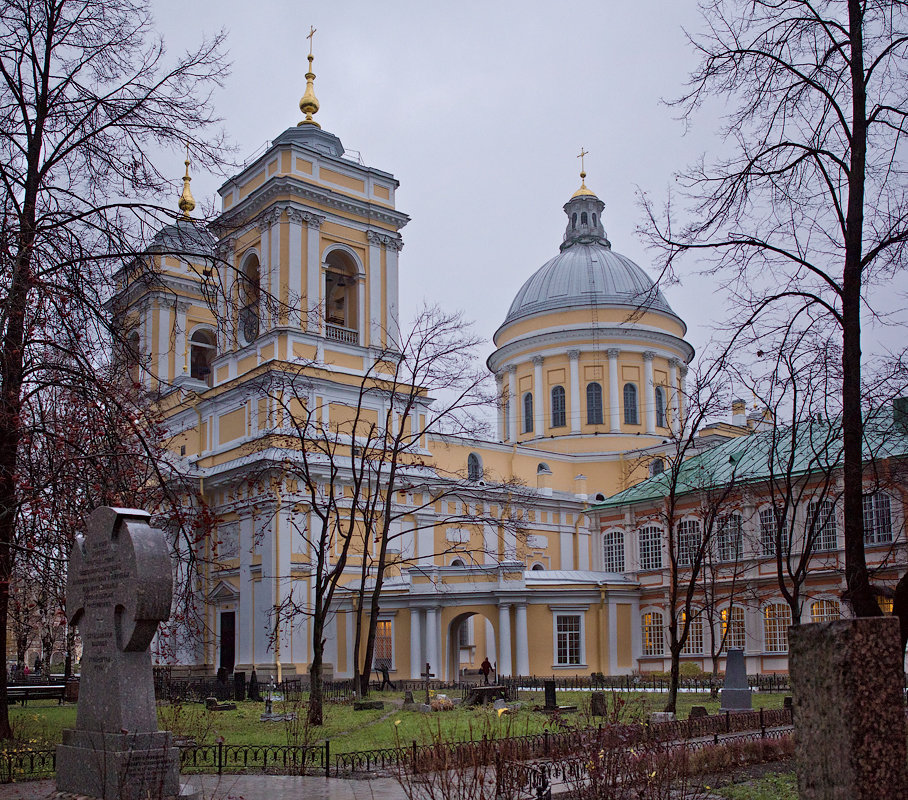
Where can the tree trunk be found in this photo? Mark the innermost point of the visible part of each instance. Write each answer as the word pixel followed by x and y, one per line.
pixel 674 679
pixel 316 684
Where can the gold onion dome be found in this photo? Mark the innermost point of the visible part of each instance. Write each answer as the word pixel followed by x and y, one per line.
pixel 187 202
pixel 309 102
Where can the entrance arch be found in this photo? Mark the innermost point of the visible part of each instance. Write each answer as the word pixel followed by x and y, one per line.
pixel 471 637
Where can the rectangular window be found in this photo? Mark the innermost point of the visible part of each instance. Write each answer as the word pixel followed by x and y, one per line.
pixel 821 526
pixel 384 644
pixel 650 547
pixel 773 528
pixel 613 551
pixel 776 620
pixel 730 538
pixel 693 646
pixel 877 518
pixel 653 635
pixel 688 542
pixel 733 628
pixel 559 411
pixel 568 639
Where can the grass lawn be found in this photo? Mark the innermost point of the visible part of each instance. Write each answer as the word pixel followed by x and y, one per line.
pixel 41 723
pixel 772 787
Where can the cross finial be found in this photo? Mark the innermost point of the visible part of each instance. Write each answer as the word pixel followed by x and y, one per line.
pixel 583 153
pixel 312 30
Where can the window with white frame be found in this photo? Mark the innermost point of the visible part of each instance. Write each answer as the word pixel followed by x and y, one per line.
pixel 734 633
pixel 660 407
pixel 821 525
pixel 650 547
pixel 613 551
pixel 729 538
pixel 559 407
pixel 630 404
pixel 773 530
pixel 693 646
pixel 776 620
pixel 568 639
pixel 825 611
pixel 384 654
pixel 653 634
pixel 688 541
pixel 593 404
pixel 528 412
pixel 877 518
pixel 465 634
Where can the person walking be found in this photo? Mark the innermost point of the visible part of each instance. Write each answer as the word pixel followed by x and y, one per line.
pixel 485 668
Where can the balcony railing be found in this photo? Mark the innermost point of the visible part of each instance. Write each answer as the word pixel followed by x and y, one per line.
pixel 339 334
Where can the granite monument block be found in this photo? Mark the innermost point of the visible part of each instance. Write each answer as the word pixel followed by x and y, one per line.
pixel 736 694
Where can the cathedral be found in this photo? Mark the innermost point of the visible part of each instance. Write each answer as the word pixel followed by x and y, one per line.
pixel 300 272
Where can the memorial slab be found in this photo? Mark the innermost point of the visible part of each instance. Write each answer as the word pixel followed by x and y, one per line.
pixel 736 694
pixel 119 588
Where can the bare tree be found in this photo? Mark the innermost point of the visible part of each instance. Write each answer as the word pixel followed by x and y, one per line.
pixel 86 98
pixel 808 213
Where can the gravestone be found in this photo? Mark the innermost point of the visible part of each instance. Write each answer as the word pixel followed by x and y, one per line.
pixel 426 676
pixel 239 686
pixel 847 681
pixel 549 688
pixel 119 588
pixel 598 704
pixel 736 694
pixel 698 712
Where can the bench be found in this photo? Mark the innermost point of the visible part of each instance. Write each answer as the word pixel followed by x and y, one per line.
pixel 23 694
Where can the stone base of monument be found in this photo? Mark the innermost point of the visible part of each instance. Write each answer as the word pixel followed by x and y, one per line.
pixel 735 700
pixel 122 766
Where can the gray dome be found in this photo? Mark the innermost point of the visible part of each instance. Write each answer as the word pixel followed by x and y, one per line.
pixel 185 236
pixel 587 274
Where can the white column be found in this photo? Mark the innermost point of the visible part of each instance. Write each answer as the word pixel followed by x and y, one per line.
pixel 313 274
pixel 649 387
pixel 502 421
pixel 163 348
pixel 512 403
pixel 682 391
pixel 391 282
pixel 612 610
pixel 522 642
pixel 416 662
pixel 361 312
pixel 491 653
pixel 538 398
pixel 673 389
pixel 489 544
pixel 294 267
pixel 432 639
pixel 504 640
pixel 614 407
pixel 181 356
pixel 373 270
pixel 267 302
pixel 574 359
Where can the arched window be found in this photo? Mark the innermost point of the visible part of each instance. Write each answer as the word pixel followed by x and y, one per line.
pixel 656 467
pixel 457 562
pixel 653 634
pixel 543 468
pixel 688 541
pixel 660 407
pixel 559 415
pixel 574 221
pixel 776 619
pixel 593 404
pixel 825 611
pixel 734 634
pixel 202 350
pixel 474 467
pixel 249 298
pixel 729 538
pixel 650 547
pixel 341 315
pixel 594 219
pixel 693 645
pixel 613 551
pixel 537 567
pixel 583 218
pixel 630 404
pixel 528 412
pixel 877 518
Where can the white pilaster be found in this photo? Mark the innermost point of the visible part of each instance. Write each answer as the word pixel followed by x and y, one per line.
pixel 566 541
pixel 416 660
pixel 502 422
pixel 374 273
pixel 246 616
pixel 613 638
pixel 574 359
pixel 313 274
pixel 432 641
pixel 181 356
pixel 614 406
pixel 164 340
pixel 673 364
pixel 522 642
pixel 682 393
pixel 295 267
pixel 266 279
pixel 512 403
pixel 425 541
pixel 538 398
pixel 489 544
pixel 362 313
pixel 391 291
pixel 504 640
pixel 583 549
pixel 649 387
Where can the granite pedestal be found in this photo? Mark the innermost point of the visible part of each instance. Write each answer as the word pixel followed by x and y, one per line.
pixel 736 694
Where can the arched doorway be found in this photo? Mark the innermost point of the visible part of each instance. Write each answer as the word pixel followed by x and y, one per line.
pixel 470 639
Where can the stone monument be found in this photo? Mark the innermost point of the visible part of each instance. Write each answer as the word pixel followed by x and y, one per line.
pixel 118 590
pixel 847 681
pixel 736 694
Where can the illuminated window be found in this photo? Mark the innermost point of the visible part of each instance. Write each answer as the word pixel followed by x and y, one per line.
pixel 733 631
pixel 650 547
pixel 885 604
pixel 568 639
pixel 693 646
pixel 613 551
pixel 384 644
pixel 877 518
pixel 528 412
pixel 559 415
pixel 776 619
pixel 688 542
pixel 593 404
pixel 821 525
pixel 630 404
pixel 824 611
pixel 653 634
pixel 773 529
pixel 729 538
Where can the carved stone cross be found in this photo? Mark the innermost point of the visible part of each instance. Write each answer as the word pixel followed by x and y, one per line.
pixel 119 589
pixel 426 675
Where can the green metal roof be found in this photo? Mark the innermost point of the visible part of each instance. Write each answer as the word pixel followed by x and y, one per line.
pixel 808 447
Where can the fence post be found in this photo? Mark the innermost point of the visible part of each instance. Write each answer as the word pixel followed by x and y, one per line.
pixel 327 758
pixel 220 757
pixel 545 742
pixel 727 721
pixel 762 725
pixel 414 767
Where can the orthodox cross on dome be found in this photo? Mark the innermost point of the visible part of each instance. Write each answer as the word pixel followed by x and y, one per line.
pixel 583 190
pixel 309 102
pixel 583 153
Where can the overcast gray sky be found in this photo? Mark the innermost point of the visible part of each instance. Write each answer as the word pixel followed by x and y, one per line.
pixel 479 109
